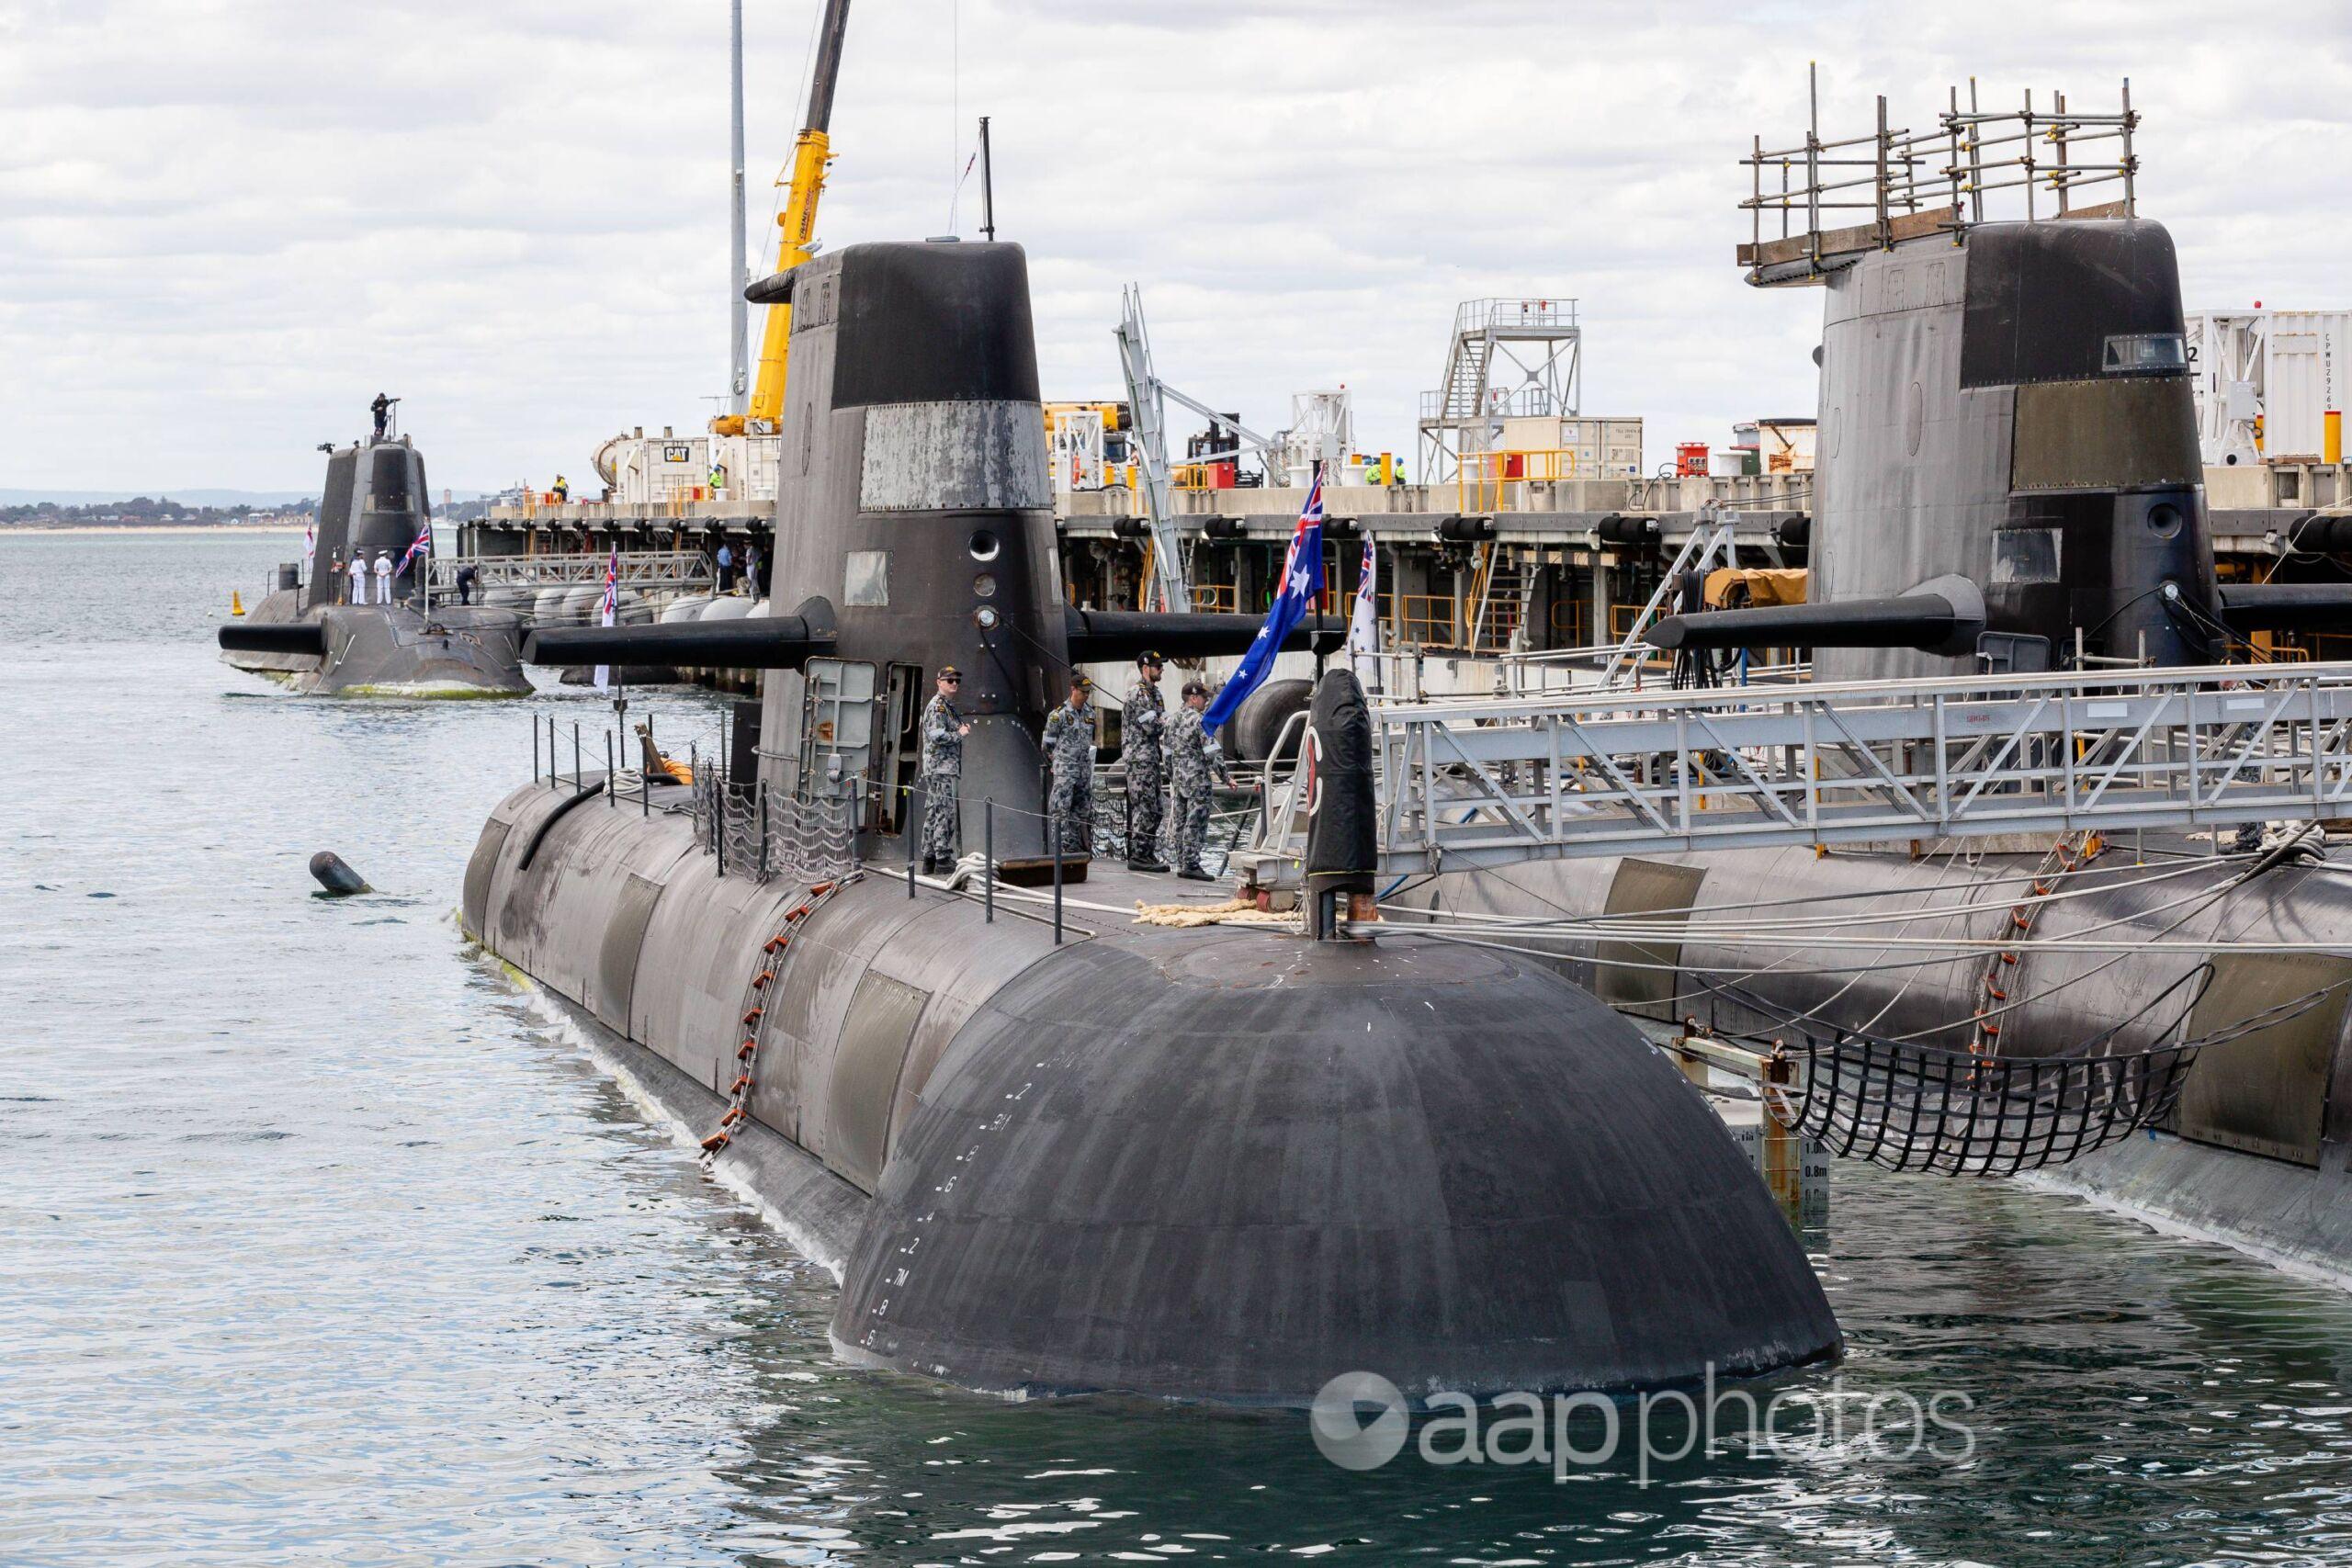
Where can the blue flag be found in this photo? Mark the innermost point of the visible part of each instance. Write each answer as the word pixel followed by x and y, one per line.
pixel 1302 589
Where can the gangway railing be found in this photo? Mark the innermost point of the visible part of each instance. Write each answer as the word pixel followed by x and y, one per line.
pixel 639 569
pixel 1562 774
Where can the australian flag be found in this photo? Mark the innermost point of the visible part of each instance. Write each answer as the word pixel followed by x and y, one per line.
pixel 1302 590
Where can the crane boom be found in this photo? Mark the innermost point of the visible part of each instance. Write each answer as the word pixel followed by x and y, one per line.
pixel 805 181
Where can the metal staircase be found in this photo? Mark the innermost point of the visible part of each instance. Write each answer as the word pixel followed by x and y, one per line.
pixel 1506 588
pixel 1505 358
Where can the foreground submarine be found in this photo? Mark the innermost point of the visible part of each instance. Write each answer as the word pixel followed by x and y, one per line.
pixel 375 499
pixel 1214 1163
pixel 2009 472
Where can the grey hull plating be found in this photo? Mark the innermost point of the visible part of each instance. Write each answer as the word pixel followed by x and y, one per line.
pixel 394 651
pixel 2268 1126
pixel 1197 1164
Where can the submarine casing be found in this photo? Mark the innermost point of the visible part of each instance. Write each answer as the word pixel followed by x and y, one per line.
pixel 1194 1163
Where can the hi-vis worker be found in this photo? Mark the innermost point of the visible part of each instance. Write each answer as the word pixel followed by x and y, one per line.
pixel 383 577
pixel 562 489
pixel 717 480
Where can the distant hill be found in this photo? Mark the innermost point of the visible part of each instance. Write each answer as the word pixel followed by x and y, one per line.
pixel 198 497
pixel 185 497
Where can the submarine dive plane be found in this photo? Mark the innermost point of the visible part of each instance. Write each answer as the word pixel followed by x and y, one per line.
pixel 375 500
pixel 2009 481
pixel 1206 1163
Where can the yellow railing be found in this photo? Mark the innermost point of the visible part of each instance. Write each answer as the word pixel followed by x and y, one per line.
pixel 1424 620
pixel 1620 625
pixel 1482 481
pixel 1441 621
pixel 1217 596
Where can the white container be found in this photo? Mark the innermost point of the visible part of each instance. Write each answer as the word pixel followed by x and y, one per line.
pixel 2305 379
pixel 2263 380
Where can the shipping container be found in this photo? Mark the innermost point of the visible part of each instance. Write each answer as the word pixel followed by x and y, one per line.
pixel 2264 381
pixel 1591 447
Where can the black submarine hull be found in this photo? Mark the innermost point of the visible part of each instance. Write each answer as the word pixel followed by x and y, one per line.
pixel 342 651
pixel 2257 1154
pixel 1200 1163
pixel 1204 1163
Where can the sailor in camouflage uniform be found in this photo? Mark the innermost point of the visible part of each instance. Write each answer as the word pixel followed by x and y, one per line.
pixel 1069 745
pixel 943 774
pixel 1192 757
pixel 1143 734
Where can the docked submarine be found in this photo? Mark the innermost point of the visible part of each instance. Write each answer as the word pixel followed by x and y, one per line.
pixel 375 500
pixel 1213 1163
pixel 2008 479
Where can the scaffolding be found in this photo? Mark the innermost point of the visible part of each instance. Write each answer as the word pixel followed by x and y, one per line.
pixel 1508 360
pixel 1929 183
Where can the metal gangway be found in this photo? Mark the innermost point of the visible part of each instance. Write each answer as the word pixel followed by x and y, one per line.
pixel 678 571
pixel 1485 782
pixel 1468 783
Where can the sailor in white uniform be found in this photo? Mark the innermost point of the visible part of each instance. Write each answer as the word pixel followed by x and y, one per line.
pixel 383 577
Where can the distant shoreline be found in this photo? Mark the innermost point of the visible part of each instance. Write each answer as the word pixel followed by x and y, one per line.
pixel 61 531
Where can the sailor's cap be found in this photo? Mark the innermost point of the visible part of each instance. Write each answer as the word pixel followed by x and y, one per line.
pixel 1148 656
pixel 949 672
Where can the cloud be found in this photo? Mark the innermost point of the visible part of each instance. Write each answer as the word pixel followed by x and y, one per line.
pixel 227 223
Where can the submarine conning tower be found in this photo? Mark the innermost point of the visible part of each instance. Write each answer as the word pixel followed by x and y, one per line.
pixel 913 502
pixel 2007 474
pixel 2013 409
pixel 914 530
pixel 375 499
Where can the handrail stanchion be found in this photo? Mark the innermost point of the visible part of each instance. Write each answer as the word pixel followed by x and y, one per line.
pixel 575 754
pixel 1054 824
pixel 987 853
pixel 609 774
pixel 535 748
pixel 906 826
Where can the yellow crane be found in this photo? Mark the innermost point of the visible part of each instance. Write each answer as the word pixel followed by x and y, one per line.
pixel 805 183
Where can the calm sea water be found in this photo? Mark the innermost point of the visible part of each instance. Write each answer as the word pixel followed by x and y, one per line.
pixel 318 1244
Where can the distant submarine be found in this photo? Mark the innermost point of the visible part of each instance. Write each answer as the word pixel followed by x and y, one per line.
pixel 1208 1164
pixel 375 500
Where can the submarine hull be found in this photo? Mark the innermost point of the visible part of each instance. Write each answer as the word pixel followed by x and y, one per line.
pixel 1203 1164
pixel 2257 1154
pixel 390 652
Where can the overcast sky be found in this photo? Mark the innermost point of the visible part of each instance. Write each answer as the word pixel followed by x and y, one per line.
pixel 226 224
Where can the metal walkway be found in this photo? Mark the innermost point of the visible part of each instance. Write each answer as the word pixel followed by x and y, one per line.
pixel 683 569
pixel 1468 784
